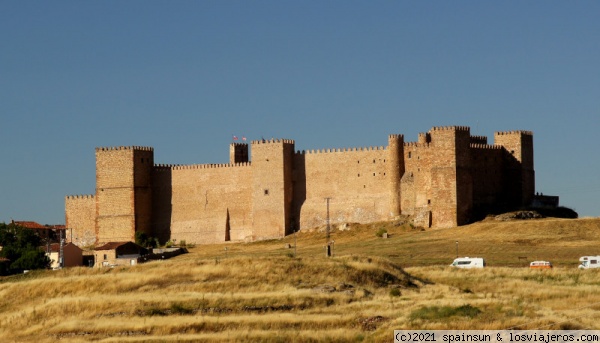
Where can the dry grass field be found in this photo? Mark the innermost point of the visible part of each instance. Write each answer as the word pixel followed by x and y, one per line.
pixel 260 292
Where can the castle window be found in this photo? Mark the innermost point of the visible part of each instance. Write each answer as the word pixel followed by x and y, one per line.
pixel 359 175
pixel 373 174
pixel 266 192
pixel 428 201
pixel 357 161
pixel 373 161
pixel 409 154
pixel 105 257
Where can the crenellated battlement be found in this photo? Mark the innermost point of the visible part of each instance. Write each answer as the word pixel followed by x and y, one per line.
pixel 394 136
pixel 133 147
pixel 450 128
pixel 485 146
pixel 336 150
pixel 479 139
pixel 273 140
pixel 417 144
pixel 239 144
pixel 517 132
pixel 163 167
pixel 84 196
pixel 166 166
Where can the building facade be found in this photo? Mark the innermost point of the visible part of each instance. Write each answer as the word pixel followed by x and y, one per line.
pixel 447 178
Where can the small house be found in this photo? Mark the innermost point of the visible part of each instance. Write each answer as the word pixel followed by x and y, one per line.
pixel 118 254
pixel 72 255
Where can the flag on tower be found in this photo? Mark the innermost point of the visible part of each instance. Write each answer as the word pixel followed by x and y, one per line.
pixel 244 138
pixel 235 138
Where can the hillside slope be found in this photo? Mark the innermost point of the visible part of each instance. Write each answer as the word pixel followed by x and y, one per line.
pixel 260 292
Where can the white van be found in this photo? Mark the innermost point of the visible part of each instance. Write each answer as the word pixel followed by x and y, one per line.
pixel 468 262
pixel 540 265
pixel 589 262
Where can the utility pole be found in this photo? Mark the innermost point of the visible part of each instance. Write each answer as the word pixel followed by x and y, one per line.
pixel 328 229
pixel 61 256
pixel 456 249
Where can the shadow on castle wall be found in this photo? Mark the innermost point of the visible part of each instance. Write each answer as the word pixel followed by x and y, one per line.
pixel 162 194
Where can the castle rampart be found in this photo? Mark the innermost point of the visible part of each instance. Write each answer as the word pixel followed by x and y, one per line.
pixel 446 178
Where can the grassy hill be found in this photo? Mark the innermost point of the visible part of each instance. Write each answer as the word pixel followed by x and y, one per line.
pixel 260 292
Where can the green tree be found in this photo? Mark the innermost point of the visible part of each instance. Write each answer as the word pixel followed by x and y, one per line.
pixel 22 247
pixel 142 239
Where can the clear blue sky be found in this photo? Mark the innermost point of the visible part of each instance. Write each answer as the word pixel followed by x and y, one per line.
pixel 184 76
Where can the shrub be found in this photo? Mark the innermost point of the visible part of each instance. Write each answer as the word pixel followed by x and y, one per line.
pixel 142 239
pixel 178 308
pixel 442 312
pixel 395 292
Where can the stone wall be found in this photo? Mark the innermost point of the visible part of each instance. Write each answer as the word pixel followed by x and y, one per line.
pixel 80 217
pixel 355 180
pixel 208 203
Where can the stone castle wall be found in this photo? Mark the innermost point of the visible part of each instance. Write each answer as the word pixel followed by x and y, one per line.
pixel 80 211
pixel 355 180
pixel 207 203
pixel 446 178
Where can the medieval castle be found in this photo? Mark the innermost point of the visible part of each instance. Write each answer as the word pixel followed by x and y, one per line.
pixel 268 190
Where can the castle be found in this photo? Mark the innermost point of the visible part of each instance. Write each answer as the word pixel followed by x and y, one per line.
pixel 447 178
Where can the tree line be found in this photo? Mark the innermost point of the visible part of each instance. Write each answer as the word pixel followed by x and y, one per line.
pixel 21 250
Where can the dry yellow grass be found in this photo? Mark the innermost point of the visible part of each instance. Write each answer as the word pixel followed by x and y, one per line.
pixel 257 292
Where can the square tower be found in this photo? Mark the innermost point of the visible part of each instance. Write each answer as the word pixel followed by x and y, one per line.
pixel 271 187
pixel 123 192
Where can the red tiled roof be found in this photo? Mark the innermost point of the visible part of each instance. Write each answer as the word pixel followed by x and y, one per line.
pixel 30 225
pixel 111 245
pixel 55 247
pixel 34 225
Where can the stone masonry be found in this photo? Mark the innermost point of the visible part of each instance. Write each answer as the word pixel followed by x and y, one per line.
pixel 445 179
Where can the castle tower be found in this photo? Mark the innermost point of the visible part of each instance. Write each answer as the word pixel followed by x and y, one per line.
pixel 123 192
pixel 272 163
pixel 451 188
pixel 520 171
pixel 238 153
pixel 395 169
